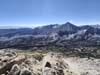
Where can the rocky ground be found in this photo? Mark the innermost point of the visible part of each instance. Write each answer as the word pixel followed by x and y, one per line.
pixel 13 62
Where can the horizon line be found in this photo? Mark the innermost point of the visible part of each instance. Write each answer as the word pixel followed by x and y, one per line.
pixel 40 25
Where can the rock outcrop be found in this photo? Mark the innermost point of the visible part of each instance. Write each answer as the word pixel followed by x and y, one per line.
pixel 12 63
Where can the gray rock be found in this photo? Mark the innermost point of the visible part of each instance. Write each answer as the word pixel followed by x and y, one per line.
pixel 25 71
pixel 18 60
pixel 15 70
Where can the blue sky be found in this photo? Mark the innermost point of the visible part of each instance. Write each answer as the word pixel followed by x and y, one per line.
pixel 42 12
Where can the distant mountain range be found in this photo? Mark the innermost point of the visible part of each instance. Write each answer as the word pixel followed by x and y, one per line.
pixel 66 34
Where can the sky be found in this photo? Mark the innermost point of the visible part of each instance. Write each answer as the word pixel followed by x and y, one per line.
pixel 32 13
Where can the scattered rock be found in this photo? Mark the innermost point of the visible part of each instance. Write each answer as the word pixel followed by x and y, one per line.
pixel 50 64
pixel 8 66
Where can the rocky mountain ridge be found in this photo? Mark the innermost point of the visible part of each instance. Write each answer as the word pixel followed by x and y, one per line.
pixel 55 33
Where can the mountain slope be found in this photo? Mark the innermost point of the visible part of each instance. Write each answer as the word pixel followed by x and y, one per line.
pixel 55 34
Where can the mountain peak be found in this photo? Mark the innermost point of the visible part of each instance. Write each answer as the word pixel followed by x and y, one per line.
pixel 68 23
